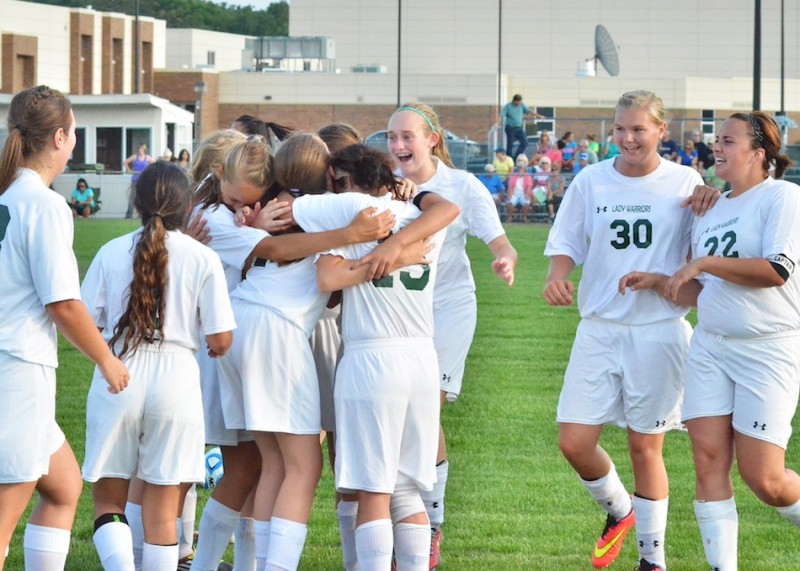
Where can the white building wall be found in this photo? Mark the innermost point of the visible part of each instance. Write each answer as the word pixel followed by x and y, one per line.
pixel 188 49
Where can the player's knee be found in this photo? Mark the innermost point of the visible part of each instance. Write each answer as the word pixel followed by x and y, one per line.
pixel 767 486
pixel 406 501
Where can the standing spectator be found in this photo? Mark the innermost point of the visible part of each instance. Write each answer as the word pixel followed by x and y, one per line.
pixel 687 156
pixel 503 164
pixel 136 163
pixel 705 156
pixel 512 114
pixel 82 199
pixel 184 160
pixel 492 183
pixel 668 148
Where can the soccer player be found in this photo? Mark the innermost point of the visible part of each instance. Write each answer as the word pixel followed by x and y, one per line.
pixel 628 359
pixel 40 291
pixel 742 383
pixel 153 293
pixel 417 144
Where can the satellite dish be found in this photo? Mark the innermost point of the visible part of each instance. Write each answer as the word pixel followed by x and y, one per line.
pixel 605 51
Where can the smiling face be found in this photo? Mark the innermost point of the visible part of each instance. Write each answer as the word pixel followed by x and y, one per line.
pixel 410 144
pixel 735 159
pixel 637 134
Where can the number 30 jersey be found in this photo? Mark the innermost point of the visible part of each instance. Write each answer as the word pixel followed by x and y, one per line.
pixel 613 225
pixel 763 222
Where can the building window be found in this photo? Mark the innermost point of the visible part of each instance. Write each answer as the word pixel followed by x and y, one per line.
pixel 707 122
pixel 546 124
pixel 211 58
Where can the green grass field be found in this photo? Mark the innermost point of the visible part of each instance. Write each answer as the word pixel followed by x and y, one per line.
pixel 512 502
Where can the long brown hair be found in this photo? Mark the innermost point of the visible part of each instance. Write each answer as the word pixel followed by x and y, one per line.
pixel 301 163
pixel 369 168
pixel 765 134
pixel 34 115
pixel 162 195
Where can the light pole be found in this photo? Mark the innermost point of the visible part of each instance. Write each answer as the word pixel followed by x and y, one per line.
pixel 200 88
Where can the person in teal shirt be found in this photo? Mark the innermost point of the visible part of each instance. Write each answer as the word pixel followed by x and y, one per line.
pixel 513 114
pixel 82 199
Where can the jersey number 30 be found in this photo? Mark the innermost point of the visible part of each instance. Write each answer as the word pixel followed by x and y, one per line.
pixel 409 282
pixel 640 233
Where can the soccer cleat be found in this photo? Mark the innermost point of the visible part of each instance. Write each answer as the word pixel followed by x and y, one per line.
pixel 609 545
pixel 436 542
pixel 185 563
pixel 645 565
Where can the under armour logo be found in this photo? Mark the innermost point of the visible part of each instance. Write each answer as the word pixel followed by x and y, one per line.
pixel 602 209
pixel 655 543
pixel 445 378
pixel 756 425
pixel 661 423
pixel 435 505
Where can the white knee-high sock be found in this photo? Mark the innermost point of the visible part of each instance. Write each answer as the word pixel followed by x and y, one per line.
pixel 133 512
pixel 412 545
pixel 261 532
pixel 651 529
pixel 46 548
pixel 792 513
pixel 374 543
pixel 159 557
pixel 286 541
pixel 216 526
pixel 434 499
pixel 610 494
pixel 185 523
pixel 244 548
pixel 346 514
pixel 114 545
pixel 719 529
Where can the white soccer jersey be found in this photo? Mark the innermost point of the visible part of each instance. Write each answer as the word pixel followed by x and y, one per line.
pixel 397 306
pixel 195 288
pixel 614 224
pixel 233 243
pixel 764 222
pixel 478 217
pixel 38 267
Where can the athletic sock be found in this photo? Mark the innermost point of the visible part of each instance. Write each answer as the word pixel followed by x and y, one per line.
pixel 374 543
pixel 133 512
pixel 346 514
pixel 159 557
pixel 217 524
pixel 434 499
pixel 651 528
pixel 46 548
pixel 113 542
pixel 610 494
pixel 244 546
pixel 412 544
pixel 792 513
pixel 261 533
pixel 185 524
pixel 286 541
pixel 719 529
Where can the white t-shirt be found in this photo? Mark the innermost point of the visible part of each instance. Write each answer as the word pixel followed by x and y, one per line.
pixel 38 267
pixel 614 224
pixel 232 243
pixel 196 295
pixel 478 218
pixel 764 222
pixel 397 306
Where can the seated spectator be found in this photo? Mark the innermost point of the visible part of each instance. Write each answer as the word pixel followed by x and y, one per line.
pixel 668 148
pixel 493 183
pixel 545 146
pixel 583 147
pixel 520 185
pixel 688 155
pixel 555 192
pixel 82 199
pixel 541 180
pixel 610 148
pixel 581 162
pixel 594 146
pixel 566 163
pixel 503 164
pixel 705 156
pixel 570 147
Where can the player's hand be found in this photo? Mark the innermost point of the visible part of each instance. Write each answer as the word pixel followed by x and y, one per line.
pixel 406 190
pixel 558 292
pixel 213 354
pixel 197 229
pixel 415 253
pixel 681 277
pixel 381 260
pixel 275 217
pixel 369 225
pixel 115 373
pixel 636 281
pixel 703 198
pixel 242 215
pixel 504 268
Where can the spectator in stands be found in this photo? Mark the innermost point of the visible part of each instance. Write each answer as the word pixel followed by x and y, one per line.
pixel 668 148
pixel 569 149
pixel 82 199
pixel 545 148
pixel 503 164
pixel 705 156
pixel 513 116
pixel 610 148
pixel 594 146
pixel 520 187
pixel 541 179
pixel 555 191
pixel 492 183
pixel 583 147
pixel 581 162
pixel 566 163
pixel 688 155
